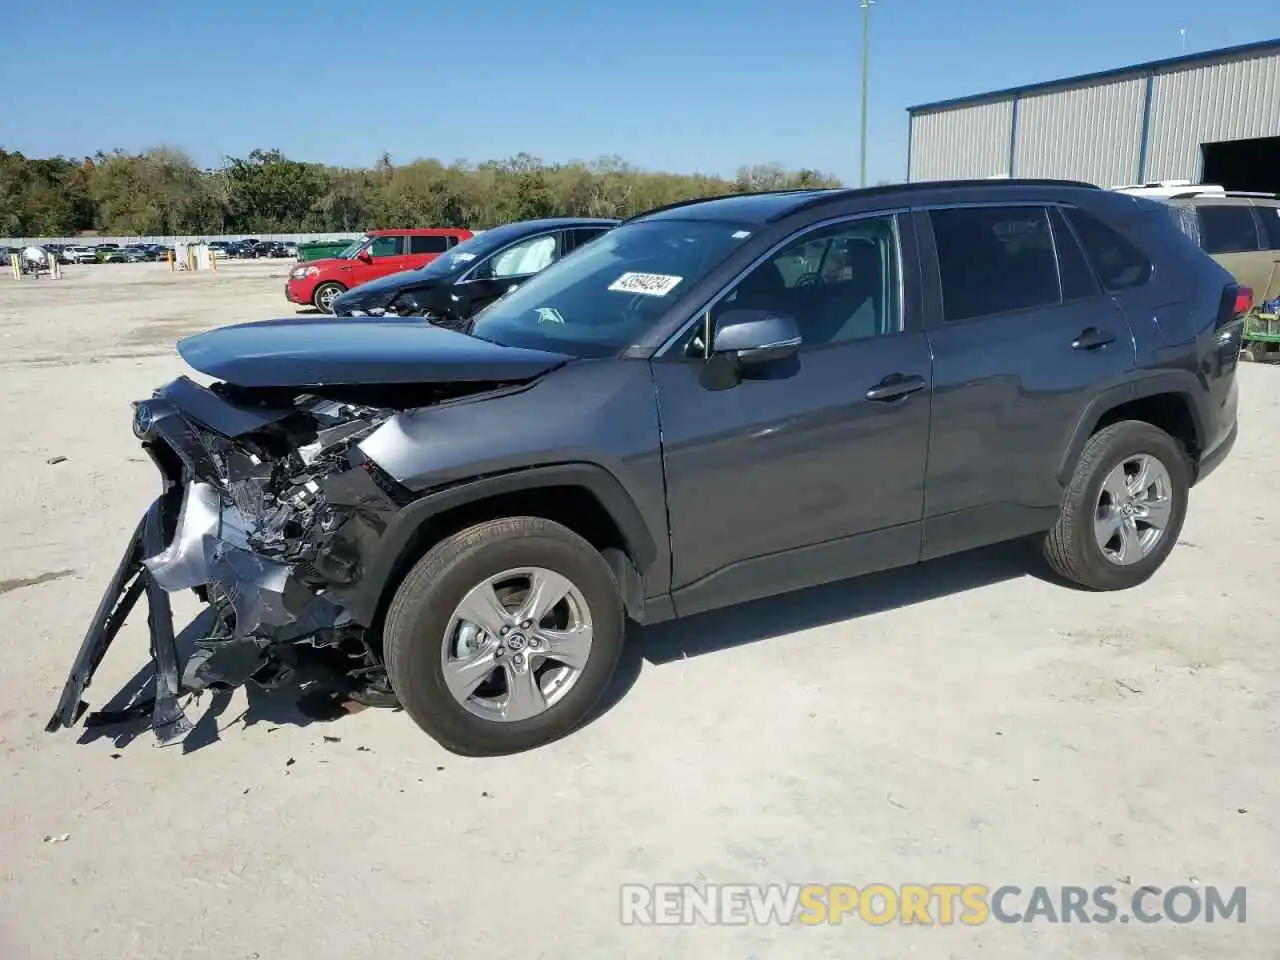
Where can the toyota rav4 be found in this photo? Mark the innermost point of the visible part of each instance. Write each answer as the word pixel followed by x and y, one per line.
pixel 713 402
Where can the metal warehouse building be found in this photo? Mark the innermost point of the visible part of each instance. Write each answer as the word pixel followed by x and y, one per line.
pixel 1209 117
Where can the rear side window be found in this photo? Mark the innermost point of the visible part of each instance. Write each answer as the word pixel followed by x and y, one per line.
pixel 1227 229
pixel 1270 217
pixel 1118 263
pixel 994 260
pixel 428 244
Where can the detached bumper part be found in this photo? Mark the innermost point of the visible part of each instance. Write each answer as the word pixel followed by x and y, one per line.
pixel 264 520
pixel 130 581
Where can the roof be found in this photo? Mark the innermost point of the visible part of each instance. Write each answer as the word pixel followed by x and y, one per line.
pixel 1151 66
pixel 766 207
pixel 418 232
pixel 549 223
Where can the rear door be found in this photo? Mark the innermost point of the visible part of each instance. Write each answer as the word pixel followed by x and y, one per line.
pixel 424 249
pixel 1268 212
pixel 1022 337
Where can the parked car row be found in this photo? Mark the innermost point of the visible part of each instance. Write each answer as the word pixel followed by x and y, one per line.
pixel 147 252
pixel 254 249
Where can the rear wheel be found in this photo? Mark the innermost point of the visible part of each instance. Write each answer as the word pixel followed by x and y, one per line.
pixel 1123 510
pixel 325 294
pixel 504 636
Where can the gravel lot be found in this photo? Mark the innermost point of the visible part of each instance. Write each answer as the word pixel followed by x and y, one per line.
pixel 965 721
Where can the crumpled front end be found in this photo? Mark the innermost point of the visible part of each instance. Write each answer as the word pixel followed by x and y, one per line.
pixel 267 503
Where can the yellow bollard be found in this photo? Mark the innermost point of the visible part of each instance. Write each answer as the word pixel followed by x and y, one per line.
pixel 169 259
pixel 15 266
pixel 213 260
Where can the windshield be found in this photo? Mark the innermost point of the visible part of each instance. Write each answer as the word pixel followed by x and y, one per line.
pixel 608 293
pixel 349 253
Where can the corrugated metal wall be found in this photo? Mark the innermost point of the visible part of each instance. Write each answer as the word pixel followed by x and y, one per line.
pixel 1091 133
pixel 1093 130
pixel 1226 100
pixel 970 141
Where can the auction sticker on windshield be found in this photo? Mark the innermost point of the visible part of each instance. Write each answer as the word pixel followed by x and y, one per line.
pixel 652 284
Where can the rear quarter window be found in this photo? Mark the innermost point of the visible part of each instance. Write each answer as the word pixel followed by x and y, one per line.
pixel 1118 263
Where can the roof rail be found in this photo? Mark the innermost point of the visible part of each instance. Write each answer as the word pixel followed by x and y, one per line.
pixel 821 195
pixel 922 186
pixel 726 196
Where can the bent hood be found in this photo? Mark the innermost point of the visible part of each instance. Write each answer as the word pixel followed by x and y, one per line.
pixel 317 353
pixel 380 292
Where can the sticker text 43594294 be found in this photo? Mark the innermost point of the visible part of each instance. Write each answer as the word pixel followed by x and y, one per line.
pixel 651 284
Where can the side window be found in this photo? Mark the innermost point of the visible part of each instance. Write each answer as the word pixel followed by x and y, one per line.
pixel 386 246
pixel 994 260
pixel 428 244
pixel 1269 214
pixel 522 259
pixel 1117 262
pixel 839 283
pixel 1227 229
pixel 1078 282
pixel 584 235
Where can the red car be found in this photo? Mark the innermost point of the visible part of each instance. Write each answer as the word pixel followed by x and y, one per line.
pixel 377 254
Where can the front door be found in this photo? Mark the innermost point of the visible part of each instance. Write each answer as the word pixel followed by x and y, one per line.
pixel 387 256
pixel 505 270
pixel 814 470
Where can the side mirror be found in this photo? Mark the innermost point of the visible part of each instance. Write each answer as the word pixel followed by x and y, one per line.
pixel 364 256
pixel 756 336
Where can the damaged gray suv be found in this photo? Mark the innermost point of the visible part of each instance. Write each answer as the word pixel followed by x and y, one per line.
pixel 716 401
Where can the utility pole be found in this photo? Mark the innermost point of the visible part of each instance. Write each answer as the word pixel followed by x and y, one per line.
pixel 866 47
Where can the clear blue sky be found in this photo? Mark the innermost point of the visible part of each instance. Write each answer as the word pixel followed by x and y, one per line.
pixel 680 85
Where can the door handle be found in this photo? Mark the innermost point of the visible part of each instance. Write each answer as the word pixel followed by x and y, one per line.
pixel 1092 338
pixel 895 387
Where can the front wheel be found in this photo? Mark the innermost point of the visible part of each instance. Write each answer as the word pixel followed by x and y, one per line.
pixel 325 294
pixel 504 636
pixel 1123 510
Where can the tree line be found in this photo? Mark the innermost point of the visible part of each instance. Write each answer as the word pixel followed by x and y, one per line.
pixel 162 191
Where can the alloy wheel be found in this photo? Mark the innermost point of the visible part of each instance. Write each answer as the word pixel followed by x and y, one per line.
pixel 1134 508
pixel 516 644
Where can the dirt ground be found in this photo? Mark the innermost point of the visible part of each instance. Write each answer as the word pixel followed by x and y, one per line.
pixel 964 722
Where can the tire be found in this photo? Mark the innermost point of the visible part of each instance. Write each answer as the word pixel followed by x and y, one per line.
pixel 1250 353
pixel 324 295
pixel 1072 548
pixel 423 609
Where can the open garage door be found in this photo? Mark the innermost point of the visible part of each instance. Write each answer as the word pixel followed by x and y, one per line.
pixel 1246 165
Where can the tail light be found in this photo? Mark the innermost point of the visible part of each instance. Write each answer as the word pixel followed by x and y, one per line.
pixel 1235 303
pixel 1244 301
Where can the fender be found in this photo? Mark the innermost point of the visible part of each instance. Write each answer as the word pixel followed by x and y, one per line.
pixel 1183 383
pixel 380 563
